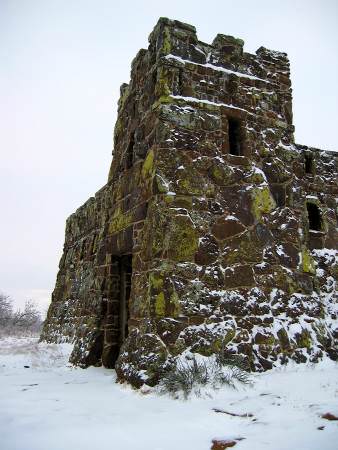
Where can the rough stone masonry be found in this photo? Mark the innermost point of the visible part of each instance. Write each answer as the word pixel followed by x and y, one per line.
pixel 214 230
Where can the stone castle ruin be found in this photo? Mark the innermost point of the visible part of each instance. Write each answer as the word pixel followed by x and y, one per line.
pixel 214 230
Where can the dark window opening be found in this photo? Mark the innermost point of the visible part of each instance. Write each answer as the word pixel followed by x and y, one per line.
pixel 130 152
pixel 93 245
pixel 135 109
pixel 154 77
pixel 278 193
pixel 180 83
pixel 309 164
pixel 235 144
pixel 314 216
pixel 83 250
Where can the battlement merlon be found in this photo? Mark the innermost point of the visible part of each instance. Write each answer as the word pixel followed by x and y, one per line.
pixel 177 70
pixel 171 37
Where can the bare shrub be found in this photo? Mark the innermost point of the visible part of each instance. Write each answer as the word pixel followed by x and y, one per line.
pixel 19 322
pixel 29 319
pixel 6 309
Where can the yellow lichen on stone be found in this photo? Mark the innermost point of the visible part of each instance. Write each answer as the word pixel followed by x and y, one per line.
pixel 148 165
pixel 194 184
pixel 221 342
pixel 308 262
pixel 304 339
pixel 221 174
pixel 247 248
pixel 162 184
pixel 156 293
pixel 162 83
pixel 155 280
pixel 255 177
pixel 169 198
pixel 175 304
pixel 166 46
pixel 282 278
pixel 120 221
pixel 118 126
pixel 183 241
pixel 262 202
pixel 123 96
pixel 160 304
pixel 163 99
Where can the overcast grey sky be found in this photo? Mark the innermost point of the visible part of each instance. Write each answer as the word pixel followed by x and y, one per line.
pixel 61 65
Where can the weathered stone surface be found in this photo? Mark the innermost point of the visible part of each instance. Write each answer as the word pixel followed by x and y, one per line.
pixel 222 444
pixel 207 251
pixel 214 229
pixel 226 227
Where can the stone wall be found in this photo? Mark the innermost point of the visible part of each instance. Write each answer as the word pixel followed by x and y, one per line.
pixel 230 224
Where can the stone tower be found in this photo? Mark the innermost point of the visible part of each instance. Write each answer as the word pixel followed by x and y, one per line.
pixel 214 229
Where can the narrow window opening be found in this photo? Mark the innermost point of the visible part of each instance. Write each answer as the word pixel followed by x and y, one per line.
pixel 93 245
pixel 130 152
pixel 180 82
pixel 279 196
pixel 235 144
pixel 314 216
pixel 309 164
pixel 154 77
pixel 83 250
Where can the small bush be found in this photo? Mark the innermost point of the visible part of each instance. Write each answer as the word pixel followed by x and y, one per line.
pixel 193 372
pixel 184 375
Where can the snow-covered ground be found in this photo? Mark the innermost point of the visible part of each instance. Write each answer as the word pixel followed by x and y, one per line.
pixel 51 405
